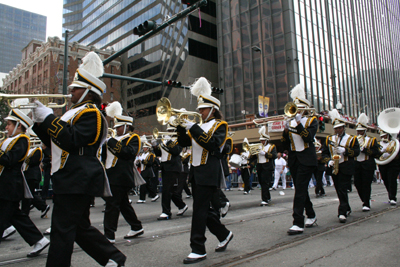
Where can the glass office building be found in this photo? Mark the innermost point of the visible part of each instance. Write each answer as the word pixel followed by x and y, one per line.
pixel 169 55
pixel 18 28
pixel 341 51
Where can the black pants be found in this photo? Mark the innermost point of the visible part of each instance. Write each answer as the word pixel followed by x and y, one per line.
pixel 204 216
pixel 319 188
pixel 10 214
pixel 301 178
pixel 169 192
pixel 147 188
pixel 389 176
pixel 222 198
pixel 362 181
pixel 182 182
pixel 246 178
pixel 70 223
pixel 119 202
pixel 264 178
pixel 341 182
pixel 37 201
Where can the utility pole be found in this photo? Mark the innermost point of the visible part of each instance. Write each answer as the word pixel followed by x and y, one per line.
pixel 65 73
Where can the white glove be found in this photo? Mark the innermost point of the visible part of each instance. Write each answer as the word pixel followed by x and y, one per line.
pixel 340 150
pixel 297 117
pixel 40 113
pixel 286 125
pixel 188 124
pixel 167 137
pixel 172 120
pixel 330 163
pixel 262 153
pixel 382 150
pixel 153 142
pixel 385 155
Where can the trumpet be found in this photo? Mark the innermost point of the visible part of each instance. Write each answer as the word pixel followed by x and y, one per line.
pixel 3 135
pixel 253 148
pixel 44 98
pixel 290 110
pixel 164 112
pixel 156 133
pixel 336 157
pixel 35 142
pixel 111 133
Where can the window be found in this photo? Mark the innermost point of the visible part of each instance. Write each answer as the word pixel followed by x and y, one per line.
pixel 40 65
pixel 111 96
pixel 27 74
pixel 34 69
pixel 61 59
pixel 46 60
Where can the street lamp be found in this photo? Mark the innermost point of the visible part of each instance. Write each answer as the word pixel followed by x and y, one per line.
pixel 258 49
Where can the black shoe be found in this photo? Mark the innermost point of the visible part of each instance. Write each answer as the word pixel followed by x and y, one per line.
pixel 44 212
pixel 193 260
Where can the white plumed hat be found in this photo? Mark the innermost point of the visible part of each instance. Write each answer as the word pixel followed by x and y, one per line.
pixel 299 96
pixel 362 122
pixel 202 89
pixel 263 133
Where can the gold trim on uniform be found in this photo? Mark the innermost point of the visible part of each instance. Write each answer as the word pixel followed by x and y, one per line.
pixel 10 146
pixel 64 157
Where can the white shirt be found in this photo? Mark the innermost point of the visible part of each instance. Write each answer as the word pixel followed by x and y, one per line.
pixel 279 164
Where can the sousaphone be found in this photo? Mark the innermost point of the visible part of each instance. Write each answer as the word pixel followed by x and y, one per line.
pixel 388 121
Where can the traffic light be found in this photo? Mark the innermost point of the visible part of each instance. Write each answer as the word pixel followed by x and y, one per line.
pixel 145 27
pixel 173 83
pixel 321 124
pixel 103 109
pixel 189 2
pixel 217 90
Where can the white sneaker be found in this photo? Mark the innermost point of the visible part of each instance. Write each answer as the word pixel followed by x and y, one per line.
pixel 342 218
pixel 225 209
pixel 112 241
pixel 264 203
pixel 47 232
pixel 141 201
pixel 295 230
pixel 8 232
pixel 310 222
pixel 393 202
pixel 365 208
pixel 224 244
pixel 163 216
pixel 182 211
pixel 133 234
pixel 155 198
pixel 39 247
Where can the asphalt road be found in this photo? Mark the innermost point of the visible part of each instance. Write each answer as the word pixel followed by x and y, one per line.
pixel 260 238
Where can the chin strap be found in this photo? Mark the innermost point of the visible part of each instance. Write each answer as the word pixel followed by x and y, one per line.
pixel 124 128
pixel 209 114
pixel 83 96
pixel 15 128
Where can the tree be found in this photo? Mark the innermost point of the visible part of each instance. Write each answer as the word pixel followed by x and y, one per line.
pixel 4 109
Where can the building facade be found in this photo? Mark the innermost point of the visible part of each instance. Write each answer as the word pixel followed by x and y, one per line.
pixel 183 51
pixel 18 28
pixel 341 51
pixel 41 69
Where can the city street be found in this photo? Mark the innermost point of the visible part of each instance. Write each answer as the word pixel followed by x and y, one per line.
pixel 260 238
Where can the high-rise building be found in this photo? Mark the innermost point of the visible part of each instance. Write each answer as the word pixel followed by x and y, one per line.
pixel 183 51
pixel 18 28
pixel 341 51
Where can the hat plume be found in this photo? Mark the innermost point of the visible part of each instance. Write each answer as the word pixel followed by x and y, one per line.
pixel 298 92
pixel 201 87
pixel 93 64
pixel 114 109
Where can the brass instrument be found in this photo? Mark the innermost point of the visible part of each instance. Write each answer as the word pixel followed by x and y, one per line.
pixel 290 110
pixel 388 121
pixel 361 142
pixel 111 133
pixel 336 157
pixel 3 135
pixel 253 149
pixel 164 112
pixel 44 98
pixel 392 149
pixel 35 142
pixel 230 134
pixel 318 147
pixel 156 133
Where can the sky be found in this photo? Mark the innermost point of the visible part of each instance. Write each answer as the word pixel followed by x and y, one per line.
pixel 52 9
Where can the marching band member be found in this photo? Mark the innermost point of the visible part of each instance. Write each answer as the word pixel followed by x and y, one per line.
pixel 77 173
pixel 206 172
pixel 13 187
pixel 245 169
pixel 171 166
pixel 33 176
pixel 182 183
pixel 346 146
pixel 121 153
pixel 389 171
pixel 265 165
pixel 299 135
pixel 146 161
pixel 365 163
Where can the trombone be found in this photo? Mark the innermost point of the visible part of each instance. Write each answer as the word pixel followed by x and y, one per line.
pixel 44 98
pixel 290 110
pixel 164 112
pixel 156 133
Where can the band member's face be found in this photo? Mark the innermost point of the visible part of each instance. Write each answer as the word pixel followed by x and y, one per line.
pixel 204 112
pixel 383 137
pixel 10 127
pixel 264 142
pixel 145 149
pixel 339 130
pixel 279 155
pixel 120 130
pixel 76 93
pixel 360 132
